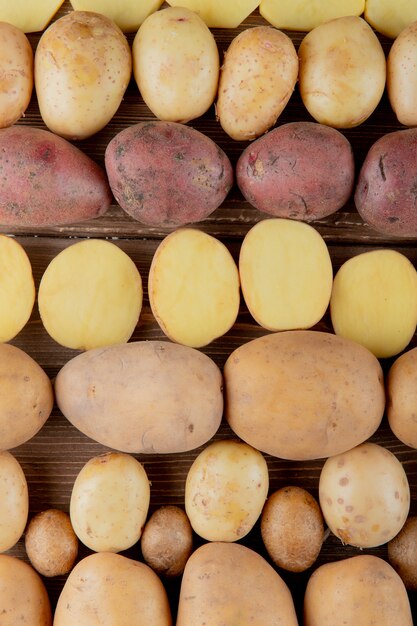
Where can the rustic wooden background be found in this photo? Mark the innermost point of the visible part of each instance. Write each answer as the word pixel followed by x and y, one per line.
pixel 52 459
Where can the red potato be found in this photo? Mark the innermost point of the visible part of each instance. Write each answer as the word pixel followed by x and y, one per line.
pixel 45 180
pixel 167 174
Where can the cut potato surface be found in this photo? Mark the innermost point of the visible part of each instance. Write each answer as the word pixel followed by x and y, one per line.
pixel 219 13
pixel 193 288
pixel 90 296
pixel 29 17
pixel 305 15
pixel 388 17
pixel 374 301
pixel 285 288
pixel 17 289
pixel 127 14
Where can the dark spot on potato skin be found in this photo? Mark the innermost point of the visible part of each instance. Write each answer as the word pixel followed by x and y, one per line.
pixel 381 167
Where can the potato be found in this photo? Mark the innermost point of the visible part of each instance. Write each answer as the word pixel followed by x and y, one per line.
pixel 109 502
pixel 17 288
pixel 193 288
pixel 83 66
pixel 364 495
pixel 385 190
pixel 360 590
pixel 300 170
pixel 257 79
pixel 45 180
pixel 23 597
pixel 374 301
pixel 167 541
pixel 342 72
pixel 402 553
pixel 292 528
pixel 401 75
pixel 167 398
pixel 217 13
pixel 16 68
pixel 390 18
pixel 176 64
pixel 229 584
pixel 26 397
pixel 283 289
pixel 14 501
pixel 305 15
pixel 303 394
pixel 225 490
pixel 402 398
pixel 51 544
pixel 127 14
pixel 90 295
pixel 29 18
pixel 167 174
pixel 109 589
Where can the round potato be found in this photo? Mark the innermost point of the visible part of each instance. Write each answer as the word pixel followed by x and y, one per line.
pixel 292 528
pixel 176 64
pixel 14 500
pixel 342 72
pixel 90 295
pixel 51 544
pixel 83 66
pixel 225 490
pixel 402 77
pixel 16 70
pixel 364 495
pixel 23 597
pixel 402 553
pixel 109 502
pixel 402 398
pixel 257 79
pixel 167 541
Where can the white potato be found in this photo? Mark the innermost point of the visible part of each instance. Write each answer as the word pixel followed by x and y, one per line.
pixel 305 15
pixel 390 17
pixel 16 74
pixel 29 17
pixel 402 75
pixel 219 13
pixel 127 14
pixel 14 501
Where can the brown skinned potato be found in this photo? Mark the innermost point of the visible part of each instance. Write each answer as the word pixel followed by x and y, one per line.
pixel 51 544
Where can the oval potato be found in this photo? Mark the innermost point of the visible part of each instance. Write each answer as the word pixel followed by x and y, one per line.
pixel 14 500
pixel 307 394
pixel 402 553
pixel 167 397
pixel 16 69
pixel 402 75
pixel 402 398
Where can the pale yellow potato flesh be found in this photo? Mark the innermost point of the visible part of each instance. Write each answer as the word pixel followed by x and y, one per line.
pixel 17 289
pixel 305 15
pixel 29 17
pixel 90 295
pixel 374 301
pixel 14 500
pixel 283 288
pixel 193 288
pixel 219 13
pixel 390 17
pixel 402 76
pixel 127 14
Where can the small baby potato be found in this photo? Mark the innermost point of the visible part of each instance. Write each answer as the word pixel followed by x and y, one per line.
pixel 167 541
pixel 225 490
pixel 127 14
pixel 402 553
pixel 390 18
pixel 364 495
pixel 283 289
pixel 16 74
pixel 402 75
pixel 90 295
pixel 374 301
pixel 292 528
pixel 17 288
pixel 51 543
pixel 305 15
pixel 14 500
pixel 402 398
pixel 193 287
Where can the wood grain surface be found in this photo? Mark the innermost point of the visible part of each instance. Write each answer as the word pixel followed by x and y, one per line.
pixel 52 459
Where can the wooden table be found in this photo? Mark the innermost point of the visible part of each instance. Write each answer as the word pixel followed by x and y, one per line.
pixel 52 459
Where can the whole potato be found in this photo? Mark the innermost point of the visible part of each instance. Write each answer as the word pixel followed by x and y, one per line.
pixel 176 64
pixel 50 542
pixel 257 79
pixel 83 66
pixel 402 76
pixel 342 72
pixel 16 71
pixel 402 553
pixel 402 398
pixel 167 174
pixel 14 500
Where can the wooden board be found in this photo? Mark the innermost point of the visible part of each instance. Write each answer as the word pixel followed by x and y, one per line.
pixel 52 459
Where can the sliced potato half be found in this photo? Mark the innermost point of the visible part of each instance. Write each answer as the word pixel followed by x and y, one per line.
pixel 127 14
pixel 219 13
pixel 30 17
pixel 305 15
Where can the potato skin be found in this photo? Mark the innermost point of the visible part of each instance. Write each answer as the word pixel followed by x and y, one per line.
pixel 401 75
pixel 26 397
pixel 300 170
pixel 385 191
pixel 308 394
pixel 167 174
pixel 167 397
pixel 361 590
pixel 51 543
pixel 227 583
pixel 402 398
pixel 402 553
pixel 16 66
pixel 45 180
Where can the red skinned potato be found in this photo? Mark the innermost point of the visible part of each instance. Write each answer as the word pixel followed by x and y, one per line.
pixel 385 194
pixel 300 170
pixel 167 174
pixel 45 180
